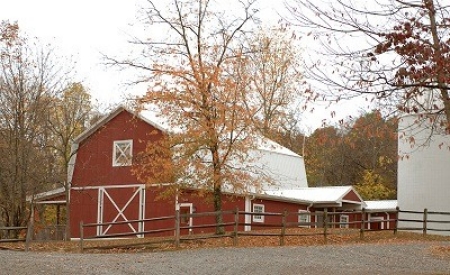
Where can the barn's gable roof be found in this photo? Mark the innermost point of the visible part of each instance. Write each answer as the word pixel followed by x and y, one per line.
pixel 160 123
pixel 264 144
pixel 104 120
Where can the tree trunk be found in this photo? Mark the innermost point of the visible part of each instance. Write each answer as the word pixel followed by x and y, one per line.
pixel 220 229
pixel 217 192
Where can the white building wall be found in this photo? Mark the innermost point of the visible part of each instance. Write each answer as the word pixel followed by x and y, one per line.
pixel 423 171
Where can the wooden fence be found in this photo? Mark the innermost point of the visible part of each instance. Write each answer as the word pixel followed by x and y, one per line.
pixel 324 221
pixel 425 221
pixel 20 231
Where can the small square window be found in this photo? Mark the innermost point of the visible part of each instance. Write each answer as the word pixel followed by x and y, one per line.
pixel 304 217
pixel 258 208
pixel 343 220
pixel 122 152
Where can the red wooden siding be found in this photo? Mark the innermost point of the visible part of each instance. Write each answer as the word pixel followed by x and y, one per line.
pixel 83 207
pixel 94 157
pixel 376 225
pixel 351 196
pixel 276 207
pixel 201 203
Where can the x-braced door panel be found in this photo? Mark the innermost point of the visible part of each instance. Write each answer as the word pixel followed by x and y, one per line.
pixel 120 209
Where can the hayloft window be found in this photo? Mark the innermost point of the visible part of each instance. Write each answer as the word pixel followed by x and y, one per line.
pixel 122 152
pixel 258 208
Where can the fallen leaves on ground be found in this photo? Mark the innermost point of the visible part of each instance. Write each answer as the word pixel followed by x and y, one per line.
pixel 293 237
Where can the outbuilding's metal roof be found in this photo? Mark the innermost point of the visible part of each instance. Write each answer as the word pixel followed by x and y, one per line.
pixel 326 194
pixel 382 205
pixel 49 197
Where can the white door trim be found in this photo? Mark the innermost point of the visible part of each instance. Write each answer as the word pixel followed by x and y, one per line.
pixel 103 191
pixel 191 208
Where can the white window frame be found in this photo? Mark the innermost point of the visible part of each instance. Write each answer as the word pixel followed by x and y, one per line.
pixel 304 217
pixel 116 146
pixel 258 208
pixel 343 221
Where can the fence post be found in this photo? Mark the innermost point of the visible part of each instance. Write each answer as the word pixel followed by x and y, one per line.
pixel 28 236
pixel 30 228
pixel 397 212
pixel 425 218
pixel 81 237
pixel 177 228
pixel 236 226
pixel 363 224
pixel 283 227
pixel 325 224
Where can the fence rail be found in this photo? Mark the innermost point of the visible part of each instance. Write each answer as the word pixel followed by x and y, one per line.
pixel 325 222
pixel 17 236
pixel 422 222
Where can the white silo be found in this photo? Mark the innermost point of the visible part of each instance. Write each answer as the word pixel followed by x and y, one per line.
pixel 424 169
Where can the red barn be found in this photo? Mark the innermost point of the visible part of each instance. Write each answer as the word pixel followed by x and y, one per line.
pixel 104 189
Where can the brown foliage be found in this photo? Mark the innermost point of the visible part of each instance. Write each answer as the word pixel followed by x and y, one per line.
pixel 395 51
pixel 346 156
pixel 216 86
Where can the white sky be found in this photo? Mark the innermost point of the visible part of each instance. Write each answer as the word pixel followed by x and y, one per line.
pixel 84 29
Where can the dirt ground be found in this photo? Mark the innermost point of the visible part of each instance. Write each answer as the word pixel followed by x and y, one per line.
pixel 399 257
pixel 312 237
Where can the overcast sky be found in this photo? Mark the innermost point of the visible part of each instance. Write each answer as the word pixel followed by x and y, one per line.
pixel 82 29
pixel 86 28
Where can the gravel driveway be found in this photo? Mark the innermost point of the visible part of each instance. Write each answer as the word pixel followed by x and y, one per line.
pixel 412 258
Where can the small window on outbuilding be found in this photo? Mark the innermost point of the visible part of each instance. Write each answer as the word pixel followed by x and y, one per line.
pixel 304 218
pixel 343 221
pixel 258 208
pixel 122 152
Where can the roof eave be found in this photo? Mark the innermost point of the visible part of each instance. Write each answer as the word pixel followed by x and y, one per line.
pixel 89 131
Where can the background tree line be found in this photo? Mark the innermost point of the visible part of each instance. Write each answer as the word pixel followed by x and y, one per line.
pixel 362 153
pixel 41 112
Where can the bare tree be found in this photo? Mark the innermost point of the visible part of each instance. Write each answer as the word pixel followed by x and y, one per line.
pixel 196 80
pixel 276 81
pixel 71 115
pixel 28 83
pixel 392 50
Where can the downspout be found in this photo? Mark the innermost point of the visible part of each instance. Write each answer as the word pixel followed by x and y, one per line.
pixel 388 217
pixel 308 211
